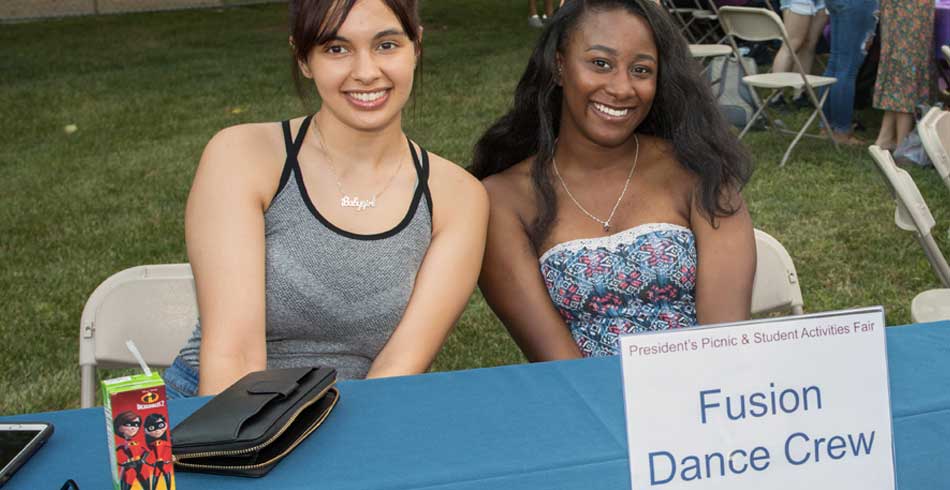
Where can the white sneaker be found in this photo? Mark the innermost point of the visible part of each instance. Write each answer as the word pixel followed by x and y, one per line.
pixel 535 21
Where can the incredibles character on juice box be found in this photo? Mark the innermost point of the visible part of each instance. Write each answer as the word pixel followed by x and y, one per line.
pixel 137 423
pixel 159 450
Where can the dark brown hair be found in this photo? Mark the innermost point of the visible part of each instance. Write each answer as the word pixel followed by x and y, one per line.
pixel 124 418
pixel 684 113
pixel 315 22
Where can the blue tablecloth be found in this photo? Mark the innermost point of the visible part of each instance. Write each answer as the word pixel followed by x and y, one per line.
pixel 539 426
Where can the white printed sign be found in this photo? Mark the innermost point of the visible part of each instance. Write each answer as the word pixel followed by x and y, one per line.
pixel 788 403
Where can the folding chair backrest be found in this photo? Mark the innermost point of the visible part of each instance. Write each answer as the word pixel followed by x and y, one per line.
pixel 912 213
pixel 775 286
pixel 752 24
pixel 677 17
pixel 934 131
pixel 153 305
pixel 946 52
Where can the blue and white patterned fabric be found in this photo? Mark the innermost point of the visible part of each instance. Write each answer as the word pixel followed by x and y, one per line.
pixel 637 280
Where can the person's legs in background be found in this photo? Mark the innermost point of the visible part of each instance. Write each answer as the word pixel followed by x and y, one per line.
pixel 807 52
pixel 894 128
pixel 852 26
pixel 804 21
pixel 534 19
pixel 904 73
pixel 797 25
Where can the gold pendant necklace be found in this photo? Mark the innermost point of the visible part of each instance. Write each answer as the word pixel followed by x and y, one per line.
pixel 604 222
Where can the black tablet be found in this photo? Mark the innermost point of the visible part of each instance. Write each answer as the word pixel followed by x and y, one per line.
pixel 18 442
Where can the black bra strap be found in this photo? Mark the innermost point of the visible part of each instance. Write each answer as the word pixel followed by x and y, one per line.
pixel 425 166
pixel 422 171
pixel 288 141
pixel 301 133
pixel 292 148
pixel 415 158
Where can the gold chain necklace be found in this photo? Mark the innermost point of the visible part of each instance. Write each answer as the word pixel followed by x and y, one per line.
pixel 604 222
pixel 346 201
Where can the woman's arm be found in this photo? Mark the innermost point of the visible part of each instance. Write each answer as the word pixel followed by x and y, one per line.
pixel 224 231
pixel 726 264
pixel 447 276
pixel 512 284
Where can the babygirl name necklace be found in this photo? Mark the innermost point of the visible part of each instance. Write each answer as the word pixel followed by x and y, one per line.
pixel 604 222
pixel 353 202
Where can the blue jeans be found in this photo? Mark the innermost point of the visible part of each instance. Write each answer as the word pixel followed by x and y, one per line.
pixel 852 29
pixel 181 380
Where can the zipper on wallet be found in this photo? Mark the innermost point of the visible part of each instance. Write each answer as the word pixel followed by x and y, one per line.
pixel 178 460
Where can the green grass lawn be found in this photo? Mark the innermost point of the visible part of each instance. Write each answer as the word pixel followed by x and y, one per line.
pixel 147 91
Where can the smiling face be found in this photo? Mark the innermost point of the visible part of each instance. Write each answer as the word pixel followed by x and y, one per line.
pixel 609 70
pixel 364 74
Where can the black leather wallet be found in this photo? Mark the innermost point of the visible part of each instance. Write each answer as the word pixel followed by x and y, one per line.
pixel 249 427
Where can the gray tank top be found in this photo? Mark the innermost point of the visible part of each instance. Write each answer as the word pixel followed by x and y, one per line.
pixel 333 297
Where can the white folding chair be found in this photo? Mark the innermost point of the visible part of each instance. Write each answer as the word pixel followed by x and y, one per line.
pixel 775 287
pixel 709 14
pixel 946 52
pixel 709 50
pixel 685 16
pixel 757 24
pixel 704 52
pixel 153 305
pixel 913 215
pixel 934 131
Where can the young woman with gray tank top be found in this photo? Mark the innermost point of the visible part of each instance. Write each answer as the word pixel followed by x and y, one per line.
pixel 321 240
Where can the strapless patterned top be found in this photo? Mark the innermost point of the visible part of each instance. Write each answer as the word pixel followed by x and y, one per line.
pixel 638 280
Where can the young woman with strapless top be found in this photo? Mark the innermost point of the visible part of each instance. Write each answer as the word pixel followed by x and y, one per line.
pixel 615 189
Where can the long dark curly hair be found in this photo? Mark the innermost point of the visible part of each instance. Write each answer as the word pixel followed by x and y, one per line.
pixel 684 112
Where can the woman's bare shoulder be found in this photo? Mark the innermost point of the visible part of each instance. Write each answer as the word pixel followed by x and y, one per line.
pixel 511 187
pixel 450 183
pixel 246 156
pixel 244 142
pixel 449 177
pixel 664 165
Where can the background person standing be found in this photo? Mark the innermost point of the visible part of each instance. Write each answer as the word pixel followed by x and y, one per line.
pixel 903 77
pixel 804 21
pixel 852 29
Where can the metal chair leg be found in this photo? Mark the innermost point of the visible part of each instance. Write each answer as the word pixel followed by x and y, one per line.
pixel 768 113
pixel 811 119
pixel 798 137
pixel 87 389
pixel 936 260
pixel 757 113
pixel 708 33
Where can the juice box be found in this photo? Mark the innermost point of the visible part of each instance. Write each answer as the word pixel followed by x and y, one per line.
pixel 140 447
